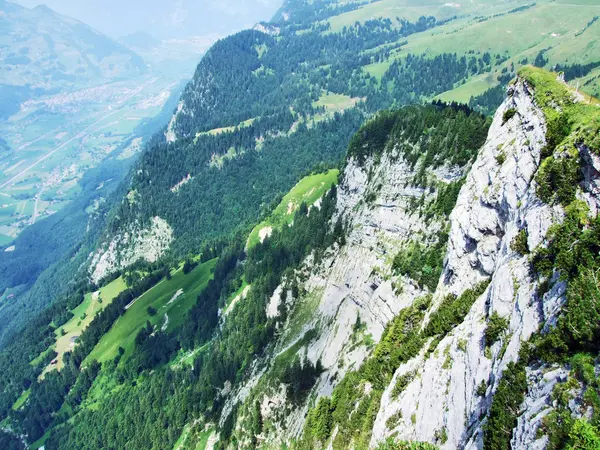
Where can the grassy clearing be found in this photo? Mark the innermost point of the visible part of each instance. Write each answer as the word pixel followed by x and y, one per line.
pixel 559 28
pixel 38 359
pixel 202 439
pixel 83 315
pixel 170 298
pixel 377 70
pixel 471 88
pixel 548 24
pixel 549 93
pixel 217 131
pixel 21 400
pixel 192 439
pixel 182 442
pixel 308 190
pixel 390 9
pixel 335 102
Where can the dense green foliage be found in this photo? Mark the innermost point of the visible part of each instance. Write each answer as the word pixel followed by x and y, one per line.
pixel 503 413
pixel 583 436
pixel 240 339
pixel 433 135
pixel 453 310
pixel 419 77
pixel 488 102
pixel 299 377
pixel 496 327
pixel 232 195
pixel 10 442
pixel 558 178
pixel 402 382
pixel 572 71
pixel 422 263
pixel 508 114
pixel 519 243
pixel 392 444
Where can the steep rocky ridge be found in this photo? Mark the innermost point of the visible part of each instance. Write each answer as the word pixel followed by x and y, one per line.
pixel 347 299
pixel 497 201
pixel 448 387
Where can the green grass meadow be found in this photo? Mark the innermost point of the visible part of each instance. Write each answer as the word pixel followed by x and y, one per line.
pixel 308 190
pixel 163 299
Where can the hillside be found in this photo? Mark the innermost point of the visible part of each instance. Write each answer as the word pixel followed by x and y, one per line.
pixel 310 78
pixel 44 52
pixel 318 252
pixel 65 152
pixel 445 277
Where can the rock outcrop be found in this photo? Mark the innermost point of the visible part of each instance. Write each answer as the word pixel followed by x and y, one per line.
pixel 352 293
pixel 497 201
pixel 350 296
pixel 126 248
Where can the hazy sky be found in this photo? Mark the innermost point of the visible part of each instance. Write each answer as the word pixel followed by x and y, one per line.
pixel 164 18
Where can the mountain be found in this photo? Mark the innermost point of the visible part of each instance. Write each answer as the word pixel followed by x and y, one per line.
pixel 443 294
pixel 166 19
pixel 43 52
pixel 319 252
pixel 450 315
pixel 140 40
pixel 315 65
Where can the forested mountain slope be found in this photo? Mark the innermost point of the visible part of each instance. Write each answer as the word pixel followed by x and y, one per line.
pixel 462 326
pixel 308 79
pixel 442 290
pixel 447 257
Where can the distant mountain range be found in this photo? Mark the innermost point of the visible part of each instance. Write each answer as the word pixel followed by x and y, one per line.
pixel 43 51
pixel 165 19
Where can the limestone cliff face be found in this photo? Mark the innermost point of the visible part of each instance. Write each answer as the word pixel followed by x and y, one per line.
pixel 497 201
pixel 444 401
pixel 352 284
pixel 130 246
